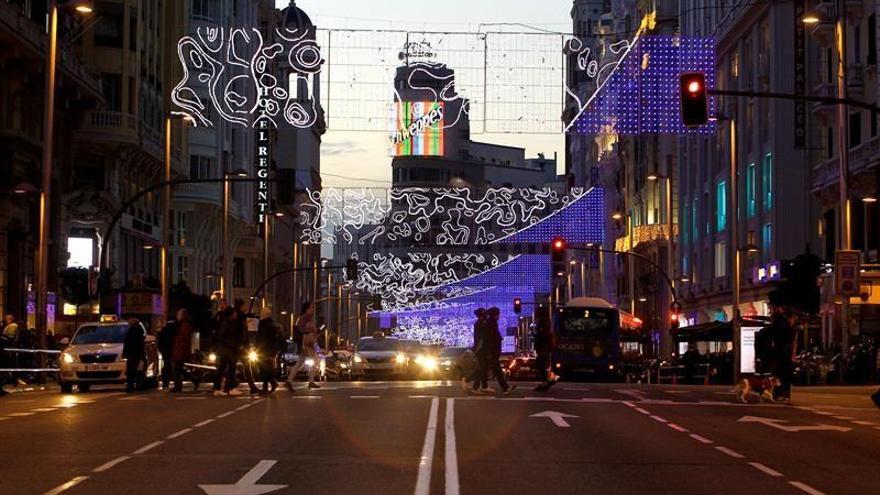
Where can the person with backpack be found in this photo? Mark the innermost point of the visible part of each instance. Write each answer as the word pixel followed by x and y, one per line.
pixel 545 344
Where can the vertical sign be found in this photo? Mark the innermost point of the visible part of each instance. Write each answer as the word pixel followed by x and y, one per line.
pixel 747 349
pixel 800 76
pixel 262 171
pixel 847 267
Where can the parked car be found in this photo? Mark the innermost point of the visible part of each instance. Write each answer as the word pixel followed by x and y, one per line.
pixel 452 362
pixel 93 356
pixel 290 357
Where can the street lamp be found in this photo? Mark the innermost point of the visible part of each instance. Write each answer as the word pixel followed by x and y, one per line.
pixel 42 266
pixel 241 174
pixel 617 216
pixel 810 19
pixel 25 188
pixel 166 221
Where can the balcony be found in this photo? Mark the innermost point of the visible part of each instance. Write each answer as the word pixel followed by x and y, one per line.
pixel 199 193
pixel 646 233
pixel 100 125
pixel 862 159
pixel 825 111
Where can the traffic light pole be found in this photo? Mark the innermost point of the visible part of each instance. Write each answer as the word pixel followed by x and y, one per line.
pixel 641 257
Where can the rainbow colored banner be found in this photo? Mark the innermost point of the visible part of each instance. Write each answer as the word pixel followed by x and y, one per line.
pixel 417 128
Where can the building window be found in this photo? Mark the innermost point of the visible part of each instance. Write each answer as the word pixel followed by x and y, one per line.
pixel 751 190
pixel 684 228
pixel 238 272
pixel 109 31
pixel 695 224
pixel 872 39
pixel 767 240
pixel 720 259
pixel 200 167
pixel 111 88
pixel 721 206
pixel 180 228
pixel 181 269
pixel 855 129
pixel 767 181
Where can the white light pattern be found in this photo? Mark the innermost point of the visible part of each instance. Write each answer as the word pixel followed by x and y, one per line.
pixel 433 216
pixel 418 277
pixel 231 74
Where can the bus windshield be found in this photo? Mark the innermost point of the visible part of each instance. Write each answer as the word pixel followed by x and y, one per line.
pixel 586 322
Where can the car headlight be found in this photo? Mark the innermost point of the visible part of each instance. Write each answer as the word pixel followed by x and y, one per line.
pixel 67 358
pixel 253 356
pixel 419 359
pixel 429 363
pixel 212 358
pixel 446 362
pixel 358 359
pixel 400 359
pixel 343 366
pixel 310 362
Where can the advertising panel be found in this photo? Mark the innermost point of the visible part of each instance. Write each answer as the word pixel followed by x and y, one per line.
pixel 417 128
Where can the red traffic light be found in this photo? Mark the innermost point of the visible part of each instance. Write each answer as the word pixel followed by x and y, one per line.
pixel 517 305
pixel 558 244
pixel 694 87
pixel 694 100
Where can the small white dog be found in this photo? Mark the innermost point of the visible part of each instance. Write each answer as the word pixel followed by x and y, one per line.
pixel 763 387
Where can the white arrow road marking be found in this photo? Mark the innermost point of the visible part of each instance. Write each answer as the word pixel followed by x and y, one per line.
pixel 247 485
pixel 778 424
pixel 557 417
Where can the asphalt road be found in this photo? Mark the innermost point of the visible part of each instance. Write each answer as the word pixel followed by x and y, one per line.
pixel 429 437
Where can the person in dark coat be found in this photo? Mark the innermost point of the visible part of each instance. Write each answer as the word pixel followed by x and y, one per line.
pixel 165 341
pixel 134 352
pixel 783 335
pixel 181 347
pixel 479 377
pixel 226 345
pixel 268 343
pixel 545 344
pixel 492 350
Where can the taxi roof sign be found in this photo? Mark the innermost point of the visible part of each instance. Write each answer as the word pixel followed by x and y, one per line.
pixel 109 319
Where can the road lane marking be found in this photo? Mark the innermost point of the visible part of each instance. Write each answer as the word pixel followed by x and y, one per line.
pixel 805 488
pixel 190 398
pixel 658 418
pixel 227 413
pixel 628 404
pixel 423 483
pixel 363 396
pixel 643 411
pixel 4 418
pixel 731 453
pixel 133 398
pixel 43 409
pixel 766 470
pixel 676 427
pixel 451 454
pixel 178 434
pixel 108 465
pixel 701 439
pixel 70 484
pixel 306 397
pixel 148 447
pixel 865 423
pixel 422 396
pixel 844 418
pixel 556 417
pixel 242 408
pixel 20 414
pixel 247 484
pixel 203 423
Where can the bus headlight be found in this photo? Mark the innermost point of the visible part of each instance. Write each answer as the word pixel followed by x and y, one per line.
pixel 212 358
pixel 67 358
pixel 428 363
pixel 400 359
pixel 253 356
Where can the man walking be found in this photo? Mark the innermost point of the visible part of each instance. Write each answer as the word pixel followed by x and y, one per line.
pixel 306 325
pixel 134 352
pixel 545 344
pixel 782 334
pixel 479 375
pixel 492 344
pixel 268 345
pixel 226 348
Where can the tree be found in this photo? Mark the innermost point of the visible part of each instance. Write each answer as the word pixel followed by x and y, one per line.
pixel 75 288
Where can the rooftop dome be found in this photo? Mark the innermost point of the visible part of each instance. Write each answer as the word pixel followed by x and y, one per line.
pixel 295 18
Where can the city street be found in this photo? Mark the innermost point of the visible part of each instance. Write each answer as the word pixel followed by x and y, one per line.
pixel 429 437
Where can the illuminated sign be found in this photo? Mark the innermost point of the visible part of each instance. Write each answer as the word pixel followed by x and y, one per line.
pixel 262 170
pixel 417 128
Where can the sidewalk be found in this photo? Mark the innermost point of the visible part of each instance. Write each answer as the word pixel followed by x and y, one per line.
pixel 843 395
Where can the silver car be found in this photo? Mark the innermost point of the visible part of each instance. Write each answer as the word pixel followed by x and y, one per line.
pixel 94 356
pixel 379 356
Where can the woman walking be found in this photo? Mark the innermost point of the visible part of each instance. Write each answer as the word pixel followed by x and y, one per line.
pixel 309 330
pixel 181 347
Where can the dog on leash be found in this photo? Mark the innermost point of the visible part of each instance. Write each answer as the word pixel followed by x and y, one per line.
pixel 763 387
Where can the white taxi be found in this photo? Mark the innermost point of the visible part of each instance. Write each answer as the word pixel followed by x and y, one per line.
pixel 94 356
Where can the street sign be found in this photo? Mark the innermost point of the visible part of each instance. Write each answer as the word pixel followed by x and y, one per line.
pixel 846 272
pixel 778 424
pixel 557 417
pixel 247 485
pixel 747 349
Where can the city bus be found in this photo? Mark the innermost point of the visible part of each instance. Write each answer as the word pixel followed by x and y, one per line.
pixel 587 339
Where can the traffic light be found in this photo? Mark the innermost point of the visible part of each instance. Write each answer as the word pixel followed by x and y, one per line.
pixel 558 248
pixel 517 305
pixel 799 288
pixel 694 102
pixel 351 269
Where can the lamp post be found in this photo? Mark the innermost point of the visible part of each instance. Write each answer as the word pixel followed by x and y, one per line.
pixel 166 221
pixel 844 237
pixel 224 244
pixel 670 241
pixel 41 270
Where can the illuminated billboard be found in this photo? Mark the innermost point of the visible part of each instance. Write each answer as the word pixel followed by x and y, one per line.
pixel 417 128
